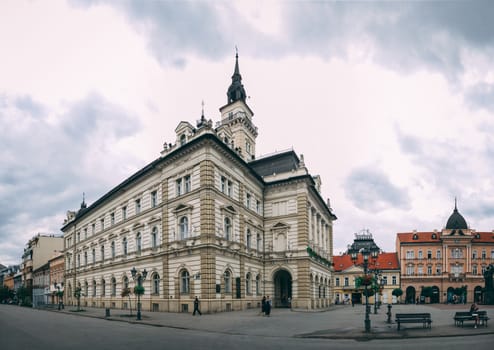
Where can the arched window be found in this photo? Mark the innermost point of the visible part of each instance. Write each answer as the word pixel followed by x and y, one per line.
pixel 124 246
pixel 156 284
pixel 228 229
pixel 258 242
pixel 113 249
pixel 248 283
pixel 185 282
pixel 154 237
pixel 125 282
pixel 86 289
pixel 94 288
pixel 184 227
pixel 103 287
pixel 228 281
pixel 249 237
pixel 102 253
pixel 113 286
pixel 138 243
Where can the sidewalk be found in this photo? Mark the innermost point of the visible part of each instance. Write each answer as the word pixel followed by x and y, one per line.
pixel 338 322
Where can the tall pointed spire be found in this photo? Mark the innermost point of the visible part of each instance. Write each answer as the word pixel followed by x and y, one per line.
pixel 236 90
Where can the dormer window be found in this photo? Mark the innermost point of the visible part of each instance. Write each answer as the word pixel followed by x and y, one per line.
pixel 415 237
pixel 183 139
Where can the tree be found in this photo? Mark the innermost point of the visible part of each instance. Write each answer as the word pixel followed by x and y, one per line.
pixel 24 295
pixel 6 294
pixel 126 292
pixel 397 292
pixel 77 295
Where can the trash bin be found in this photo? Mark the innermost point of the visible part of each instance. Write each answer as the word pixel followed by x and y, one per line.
pixel 107 312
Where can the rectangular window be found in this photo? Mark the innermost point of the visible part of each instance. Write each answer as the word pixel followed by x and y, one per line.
pixel 346 282
pixel 420 254
pixel 385 280
pixel 393 280
pixel 93 228
pixel 438 254
pixel 138 206
pixel 102 224
pixel 85 258
pixel 85 233
pixel 438 270
pixel 229 188
pixel 483 254
pixel 429 254
pixel 410 254
pixel 474 270
pixel 429 270
pixel 102 253
pixel 223 184
pixel 154 199
pixel 420 271
pixel 124 212
pixel 178 185
pixel 247 200
pixel 258 206
pixel 78 236
pixel 337 282
pixel 187 185
pixel 94 255
pixel 112 219
pixel 410 270
pixel 492 254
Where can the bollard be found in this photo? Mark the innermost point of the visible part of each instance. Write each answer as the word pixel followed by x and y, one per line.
pixel 107 312
pixel 389 313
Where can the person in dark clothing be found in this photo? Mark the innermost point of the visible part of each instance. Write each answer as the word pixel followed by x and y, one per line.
pixel 474 311
pixel 196 307
pixel 263 306
pixel 268 306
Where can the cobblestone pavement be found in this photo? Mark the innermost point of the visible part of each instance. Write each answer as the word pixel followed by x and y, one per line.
pixel 337 322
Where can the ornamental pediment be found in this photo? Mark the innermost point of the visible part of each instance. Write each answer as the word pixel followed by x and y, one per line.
pixel 182 207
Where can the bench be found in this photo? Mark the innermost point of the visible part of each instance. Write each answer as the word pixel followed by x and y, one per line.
pixel 465 316
pixel 424 318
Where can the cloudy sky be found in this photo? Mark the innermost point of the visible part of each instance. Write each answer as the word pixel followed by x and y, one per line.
pixel 392 103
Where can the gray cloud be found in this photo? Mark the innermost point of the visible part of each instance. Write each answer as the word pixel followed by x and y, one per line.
pixel 36 183
pixel 405 35
pixel 372 191
pixel 481 96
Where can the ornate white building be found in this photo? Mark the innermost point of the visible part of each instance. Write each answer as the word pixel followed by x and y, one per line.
pixel 207 219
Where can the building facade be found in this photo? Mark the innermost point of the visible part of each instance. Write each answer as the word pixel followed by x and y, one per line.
pixel 451 262
pixel 207 219
pixel 37 252
pixel 346 270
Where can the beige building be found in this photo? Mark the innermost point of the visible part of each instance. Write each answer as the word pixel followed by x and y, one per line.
pixel 207 219
pixel 450 261
pixel 38 251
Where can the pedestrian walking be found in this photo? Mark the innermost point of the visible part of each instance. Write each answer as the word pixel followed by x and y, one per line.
pixel 268 306
pixel 196 307
pixel 263 306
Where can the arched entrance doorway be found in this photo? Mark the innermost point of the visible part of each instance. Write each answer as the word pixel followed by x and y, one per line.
pixel 435 295
pixel 451 293
pixel 282 289
pixel 410 295
pixel 477 292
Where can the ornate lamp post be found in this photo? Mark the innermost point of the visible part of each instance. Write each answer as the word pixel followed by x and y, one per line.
pixel 378 280
pixel 138 277
pixel 365 255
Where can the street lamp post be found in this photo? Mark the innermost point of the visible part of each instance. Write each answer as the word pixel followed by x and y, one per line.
pixel 378 279
pixel 138 277
pixel 365 255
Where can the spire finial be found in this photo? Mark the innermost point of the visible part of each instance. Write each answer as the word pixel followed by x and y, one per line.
pixel 83 204
pixel 202 111
pixel 456 208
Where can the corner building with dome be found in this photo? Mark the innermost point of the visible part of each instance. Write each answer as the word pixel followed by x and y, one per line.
pixel 451 261
pixel 207 219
